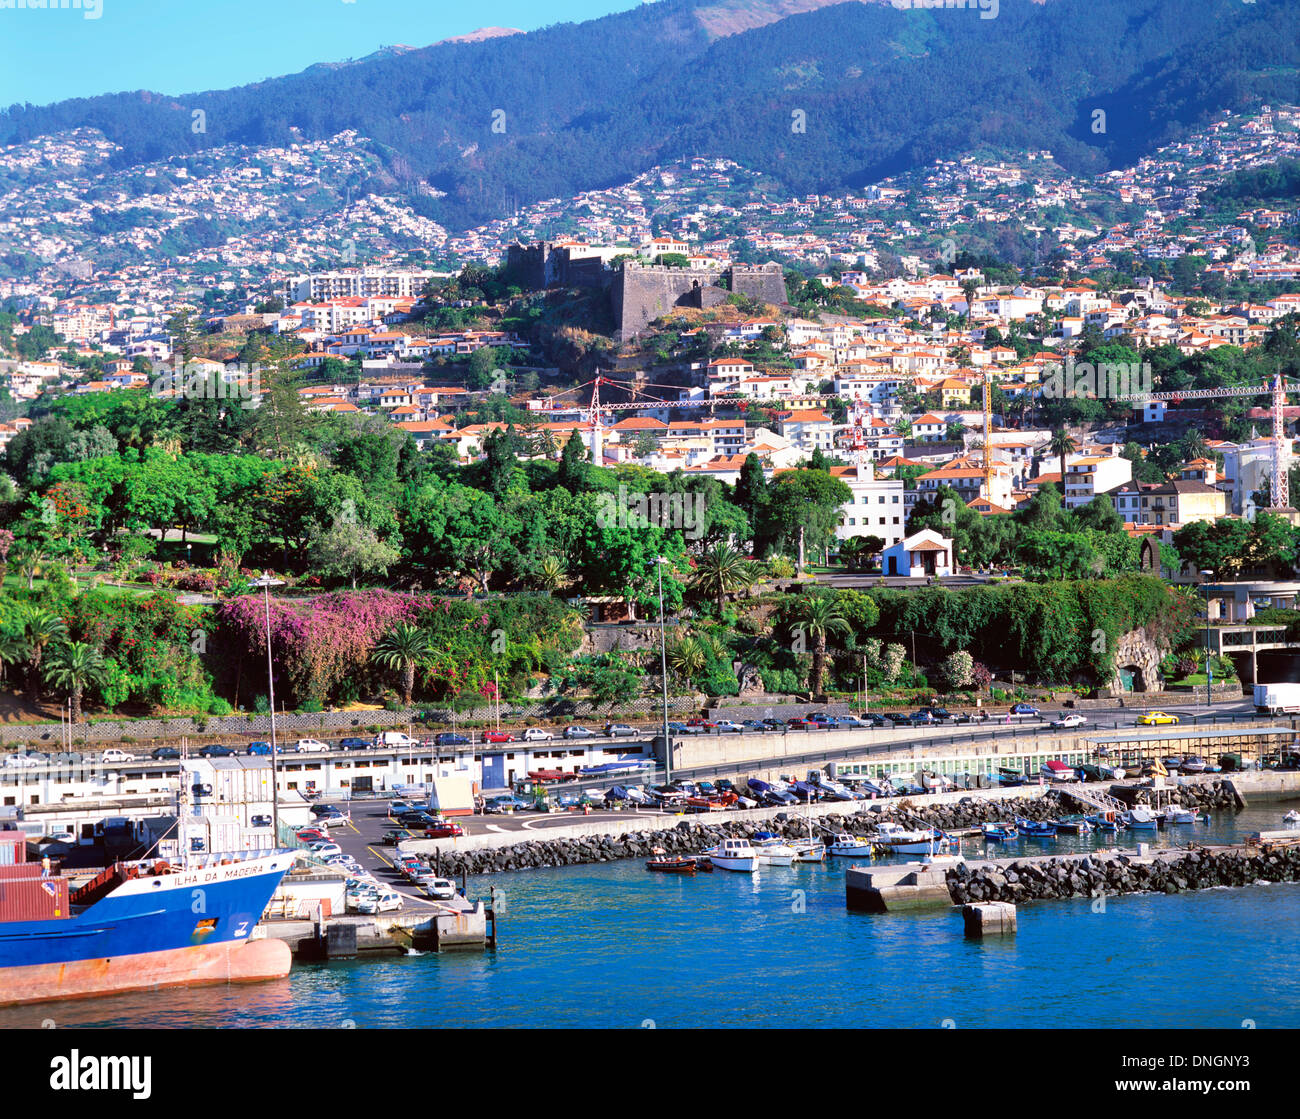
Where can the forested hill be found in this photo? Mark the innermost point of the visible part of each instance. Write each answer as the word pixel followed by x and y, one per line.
pixel 584 106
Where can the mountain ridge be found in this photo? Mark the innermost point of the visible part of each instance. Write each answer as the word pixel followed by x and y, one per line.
pixel 831 95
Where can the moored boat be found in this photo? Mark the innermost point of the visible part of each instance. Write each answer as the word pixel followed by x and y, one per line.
pixel 734 854
pixel 1141 818
pixel 773 850
pixel 1292 819
pixel 1176 814
pixel 850 846
pixel 999 832
pixel 899 840
pixel 1037 829
pixel 1074 825
pixel 135 926
pixel 672 864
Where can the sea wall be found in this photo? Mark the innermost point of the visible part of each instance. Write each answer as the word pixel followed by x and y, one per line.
pixel 1099 875
pixel 693 835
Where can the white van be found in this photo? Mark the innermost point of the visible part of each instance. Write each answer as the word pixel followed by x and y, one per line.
pixel 393 738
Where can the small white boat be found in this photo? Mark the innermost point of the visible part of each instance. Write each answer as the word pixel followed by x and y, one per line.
pixel 775 852
pixel 734 854
pixel 1141 818
pixel 850 846
pixel 903 842
pixel 1176 814
pixel 812 852
pixel 1292 819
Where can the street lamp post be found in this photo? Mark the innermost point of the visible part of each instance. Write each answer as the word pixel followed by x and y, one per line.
pixel 663 666
pixel 266 583
pixel 1209 669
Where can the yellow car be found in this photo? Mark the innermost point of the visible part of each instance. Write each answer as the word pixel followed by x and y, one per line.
pixel 1155 719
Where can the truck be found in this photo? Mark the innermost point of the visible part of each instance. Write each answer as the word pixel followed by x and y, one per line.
pixel 451 796
pixel 1277 698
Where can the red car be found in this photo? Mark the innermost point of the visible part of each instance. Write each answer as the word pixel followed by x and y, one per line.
pixel 308 834
pixel 498 736
pixel 708 724
pixel 443 829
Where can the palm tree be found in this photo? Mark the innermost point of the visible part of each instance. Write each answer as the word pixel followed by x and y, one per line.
pixel 73 666
pixel 403 648
pixel 13 648
pixel 818 616
pixel 721 571
pixel 40 628
pixel 1062 443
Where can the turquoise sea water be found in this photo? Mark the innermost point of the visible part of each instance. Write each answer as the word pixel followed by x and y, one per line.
pixel 613 946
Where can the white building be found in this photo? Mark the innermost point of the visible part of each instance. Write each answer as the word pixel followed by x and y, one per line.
pixel 924 553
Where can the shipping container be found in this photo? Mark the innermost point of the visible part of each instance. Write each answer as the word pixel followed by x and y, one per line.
pixel 20 870
pixel 34 899
pixel 13 847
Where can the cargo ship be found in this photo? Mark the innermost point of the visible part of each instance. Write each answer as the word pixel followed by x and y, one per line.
pixel 136 926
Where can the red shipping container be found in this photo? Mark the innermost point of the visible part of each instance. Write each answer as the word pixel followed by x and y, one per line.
pixel 34 899
pixel 22 870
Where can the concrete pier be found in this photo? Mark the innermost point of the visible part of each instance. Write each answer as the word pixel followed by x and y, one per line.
pixel 989 918
pixel 450 926
pixel 890 889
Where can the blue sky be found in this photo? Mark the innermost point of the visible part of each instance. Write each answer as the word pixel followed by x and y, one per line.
pixel 182 46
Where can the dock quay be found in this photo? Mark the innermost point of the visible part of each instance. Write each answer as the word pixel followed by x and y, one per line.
pixel 309 912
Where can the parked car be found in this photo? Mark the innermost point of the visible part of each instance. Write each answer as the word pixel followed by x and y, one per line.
pixel 773 724
pixel 381 901
pixel 393 836
pixel 1024 709
pixel 498 736
pixel 397 807
pixel 116 756
pixel 579 732
pixel 415 819
pixel 258 748
pixel 1156 719
pixel 619 730
pixel 507 802
pixel 323 849
pixel 312 835
pixel 874 720
pixel 1069 719
pixel 440 889
pixel 799 722
pixel 166 753
pixel 754 725
pixel 703 724
pixel 537 734
pixel 940 714
pixel 450 738
pixel 921 718
pixel 354 744
pixel 442 829
pixel 727 726
pixel 311 746
pixel 216 751
pixel 23 761
pixel 259 821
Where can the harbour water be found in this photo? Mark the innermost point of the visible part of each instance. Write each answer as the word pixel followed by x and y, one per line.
pixel 612 946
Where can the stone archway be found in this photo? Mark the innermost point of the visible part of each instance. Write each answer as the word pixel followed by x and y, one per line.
pixel 1137 654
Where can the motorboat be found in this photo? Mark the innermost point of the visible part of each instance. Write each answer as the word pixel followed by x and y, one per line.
pixel 899 840
pixel 1037 829
pixel 1104 823
pixel 1176 814
pixel 672 864
pixel 734 854
pixel 1074 825
pixel 1292 819
pixel 850 846
pixel 773 850
pixel 812 851
pixel 998 832
pixel 1141 818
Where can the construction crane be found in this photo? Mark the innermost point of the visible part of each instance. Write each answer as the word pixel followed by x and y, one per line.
pixel 1279 489
pixel 595 410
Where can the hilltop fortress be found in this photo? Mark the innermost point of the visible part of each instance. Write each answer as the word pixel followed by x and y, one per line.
pixel 639 292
